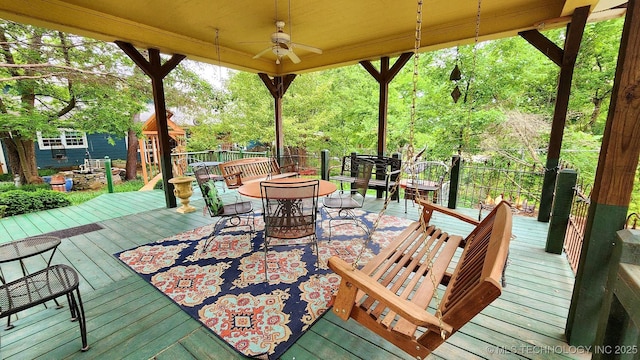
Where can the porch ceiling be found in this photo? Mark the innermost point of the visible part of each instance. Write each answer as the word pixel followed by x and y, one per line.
pixel 346 31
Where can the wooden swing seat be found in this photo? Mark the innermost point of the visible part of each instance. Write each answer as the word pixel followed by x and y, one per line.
pixel 391 293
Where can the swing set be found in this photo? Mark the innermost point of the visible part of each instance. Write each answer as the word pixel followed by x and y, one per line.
pixel 391 295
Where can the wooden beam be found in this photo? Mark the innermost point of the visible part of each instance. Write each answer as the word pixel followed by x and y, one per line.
pixel 612 188
pixel 384 76
pixel 546 46
pixel 572 45
pixel 157 72
pixel 277 87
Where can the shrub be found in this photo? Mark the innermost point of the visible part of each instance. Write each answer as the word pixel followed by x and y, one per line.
pixel 47 172
pixel 4 187
pixel 22 202
pixel 35 187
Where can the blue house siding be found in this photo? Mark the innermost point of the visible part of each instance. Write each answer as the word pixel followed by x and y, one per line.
pixel 98 147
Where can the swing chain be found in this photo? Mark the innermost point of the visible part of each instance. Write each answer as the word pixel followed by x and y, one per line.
pixel 410 149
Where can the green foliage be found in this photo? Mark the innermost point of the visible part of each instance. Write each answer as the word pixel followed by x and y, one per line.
pixel 9 186
pixel 47 172
pixel 35 187
pixel 22 202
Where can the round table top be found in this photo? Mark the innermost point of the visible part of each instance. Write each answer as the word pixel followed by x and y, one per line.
pixel 253 189
pixel 20 249
pixel 422 184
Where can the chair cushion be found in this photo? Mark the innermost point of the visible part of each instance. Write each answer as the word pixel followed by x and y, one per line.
pixel 211 198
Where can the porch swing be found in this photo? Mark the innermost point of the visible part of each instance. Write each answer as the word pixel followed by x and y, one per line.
pixel 391 294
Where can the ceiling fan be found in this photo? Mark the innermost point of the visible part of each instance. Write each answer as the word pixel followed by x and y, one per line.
pixel 282 46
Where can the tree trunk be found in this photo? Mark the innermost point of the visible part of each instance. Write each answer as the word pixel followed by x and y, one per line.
pixel 27 155
pixel 22 159
pixel 132 155
pixel 597 103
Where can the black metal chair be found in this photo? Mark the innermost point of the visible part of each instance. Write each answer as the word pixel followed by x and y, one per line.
pixel 290 213
pixel 44 285
pixel 424 177
pixel 230 215
pixel 339 206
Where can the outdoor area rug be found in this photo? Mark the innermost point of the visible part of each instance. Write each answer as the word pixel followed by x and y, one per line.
pixel 224 287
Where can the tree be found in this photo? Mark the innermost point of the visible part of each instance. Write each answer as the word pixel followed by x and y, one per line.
pixel 595 71
pixel 55 80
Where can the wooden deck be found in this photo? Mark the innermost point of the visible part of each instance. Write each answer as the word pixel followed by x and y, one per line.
pixel 128 318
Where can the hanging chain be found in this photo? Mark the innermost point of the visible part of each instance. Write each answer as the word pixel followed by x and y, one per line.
pixel 217 43
pixel 469 96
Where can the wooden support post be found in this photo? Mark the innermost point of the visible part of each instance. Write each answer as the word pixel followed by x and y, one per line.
pixel 278 86
pixel 384 77
pixel 157 72
pixel 612 188
pixel 565 189
pixel 566 59
pixel 454 180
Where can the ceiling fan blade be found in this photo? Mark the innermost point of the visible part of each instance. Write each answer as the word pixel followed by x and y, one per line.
pixel 307 48
pixel 294 58
pixel 262 52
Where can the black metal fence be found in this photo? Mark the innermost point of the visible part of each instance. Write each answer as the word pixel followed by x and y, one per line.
pixel 488 182
pixel 480 182
pixel 577 222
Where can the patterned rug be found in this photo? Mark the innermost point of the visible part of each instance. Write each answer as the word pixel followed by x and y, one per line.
pixel 224 287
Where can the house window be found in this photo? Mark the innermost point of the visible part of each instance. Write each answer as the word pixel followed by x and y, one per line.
pixel 69 139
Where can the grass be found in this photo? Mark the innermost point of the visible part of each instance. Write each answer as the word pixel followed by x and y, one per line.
pixel 78 197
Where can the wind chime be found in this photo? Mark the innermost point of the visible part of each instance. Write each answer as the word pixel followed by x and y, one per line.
pixel 456 74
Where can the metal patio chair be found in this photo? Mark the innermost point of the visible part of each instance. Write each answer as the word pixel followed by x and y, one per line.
pixel 340 205
pixel 230 215
pixel 290 213
pixel 426 177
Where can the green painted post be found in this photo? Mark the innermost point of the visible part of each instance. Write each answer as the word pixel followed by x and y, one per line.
pixel 548 184
pixel 454 181
pixel 561 210
pixel 591 279
pixel 107 169
pixel 614 328
pixel 324 164
pixel 241 153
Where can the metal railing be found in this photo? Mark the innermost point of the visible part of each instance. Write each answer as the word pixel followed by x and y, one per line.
pixel 483 182
pixel 576 227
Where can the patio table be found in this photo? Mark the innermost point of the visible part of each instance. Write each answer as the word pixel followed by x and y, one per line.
pixel 19 250
pixel 253 189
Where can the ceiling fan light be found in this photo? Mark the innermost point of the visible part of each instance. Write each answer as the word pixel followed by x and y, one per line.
pixel 280 51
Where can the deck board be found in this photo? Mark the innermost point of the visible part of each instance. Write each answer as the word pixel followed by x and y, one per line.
pixel 128 318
